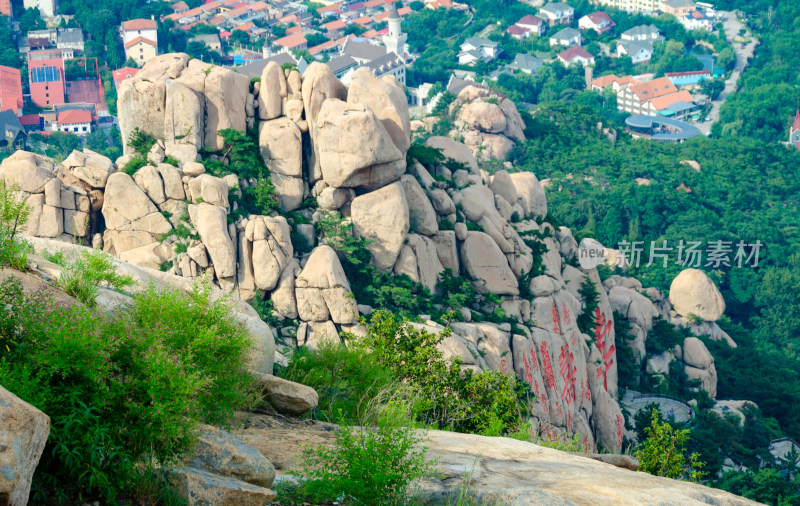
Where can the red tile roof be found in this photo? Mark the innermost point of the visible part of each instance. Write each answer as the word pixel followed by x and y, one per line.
pixel 245 27
pixel 74 116
pixel 29 119
pixel 179 6
pixel 575 52
pixel 138 40
pixel 325 46
pixel 292 41
pixel 334 25
pixel 363 21
pixel 139 24
pixel 598 17
pixel 123 73
pixel 530 20
pixel 653 89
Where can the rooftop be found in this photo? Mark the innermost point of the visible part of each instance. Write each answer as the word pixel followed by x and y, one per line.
pixel 363 50
pixel 341 63
pixel 575 52
pixel 138 40
pixel 292 41
pixel 74 116
pixel 480 42
pixel 530 20
pixel 139 24
pixel 653 89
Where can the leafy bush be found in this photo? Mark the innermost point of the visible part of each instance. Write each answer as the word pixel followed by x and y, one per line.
pixel 345 377
pixel 260 198
pixel 13 216
pixel 82 276
pixel 134 164
pixel 450 398
pixel 664 336
pixel 368 464
pixel 141 142
pixel 122 391
pixel 171 160
pixel 663 453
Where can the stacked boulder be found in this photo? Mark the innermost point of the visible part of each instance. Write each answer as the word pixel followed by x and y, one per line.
pixel 64 198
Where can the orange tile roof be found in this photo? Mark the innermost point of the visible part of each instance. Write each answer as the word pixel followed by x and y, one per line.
pixel 194 12
pixel 139 24
pixel 293 29
pixel 404 10
pixel 653 89
pixel 288 19
pixel 174 16
pixel 370 34
pixel 74 116
pixel 217 20
pixel 661 103
pixel 329 8
pixel 258 6
pixel 179 6
pixel 334 25
pixel 138 40
pixel 603 81
pixel 363 20
pixel 292 41
pixel 210 6
pixel 235 13
pixel 245 27
pixel 325 46
pixel 374 3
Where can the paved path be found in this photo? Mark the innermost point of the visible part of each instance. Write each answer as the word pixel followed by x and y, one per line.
pixel 732 26
pixel 679 409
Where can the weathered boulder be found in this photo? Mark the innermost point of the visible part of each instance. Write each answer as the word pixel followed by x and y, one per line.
pixel 420 261
pixel 387 100
pixel 23 434
pixel 27 171
pixel 455 150
pixel 149 180
pixel 271 92
pixel 212 225
pixel 281 145
pixel 288 397
pixel 226 93
pixel 422 216
pixel 530 194
pixel 201 488
pixel 370 163
pixel 216 451
pixel 484 116
pixel 209 189
pixel 486 264
pixel 90 167
pixel 382 217
pixel 127 207
pixel 323 291
pixel 693 292
pixel 696 354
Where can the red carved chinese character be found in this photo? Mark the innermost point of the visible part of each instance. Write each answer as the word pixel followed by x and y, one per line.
pixel 548 367
pixel 620 430
pixel 556 320
pixel 567 370
pixel 566 313
pixel 607 350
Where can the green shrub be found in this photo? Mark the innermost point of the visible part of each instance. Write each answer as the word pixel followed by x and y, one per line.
pixel 122 391
pixel 663 453
pixel 260 198
pixel 181 247
pixel 13 216
pixel 425 155
pixel 449 397
pixel 343 376
pixel 141 142
pixel 134 164
pixel 370 464
pixel 591 300
pixel 82 276
pixel 171 160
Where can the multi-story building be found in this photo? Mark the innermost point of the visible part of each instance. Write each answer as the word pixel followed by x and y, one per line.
pixel 395 40
pixel 140 38
pixel 10 90
pixel 46 69
pixel 557 13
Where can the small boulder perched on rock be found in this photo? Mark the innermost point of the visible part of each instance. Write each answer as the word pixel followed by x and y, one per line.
pixel 23 434
pixel 288 397
pixel 693 292
pixel 218 452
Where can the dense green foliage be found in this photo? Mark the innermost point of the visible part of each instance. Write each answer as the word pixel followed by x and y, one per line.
pixel 13 216
pixel 121 391
pixel 83 275
pixel 765 103
pixel 663 452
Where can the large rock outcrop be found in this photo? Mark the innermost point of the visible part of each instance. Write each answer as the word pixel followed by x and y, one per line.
pixel 23 434
pixel 693 293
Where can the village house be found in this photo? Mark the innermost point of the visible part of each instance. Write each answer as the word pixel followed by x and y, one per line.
pixel 598 21
pixel 13 134
pixel 120 75
pixel 567 37
pixel 613 82
pixel 525 63
pixel 532 25
pixel 74 121
pixel 477 49
pixel 678 8
pixel 140 39
pixel 576 55
pixel 696 20
pixel 646 6
pixel 641 33
pixel 11 90
pixel 658 96
pixel 640 52
pixel 558 13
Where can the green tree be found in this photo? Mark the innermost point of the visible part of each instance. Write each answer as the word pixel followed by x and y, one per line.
pixel 31 19
pixel 663 453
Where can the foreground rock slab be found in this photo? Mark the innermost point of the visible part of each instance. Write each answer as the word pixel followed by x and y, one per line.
pixel 201 488
pixel 23 433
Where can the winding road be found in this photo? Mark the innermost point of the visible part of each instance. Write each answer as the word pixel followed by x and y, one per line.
pixel 732 25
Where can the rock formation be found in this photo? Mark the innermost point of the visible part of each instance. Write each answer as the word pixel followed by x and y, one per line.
pixel 347 148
